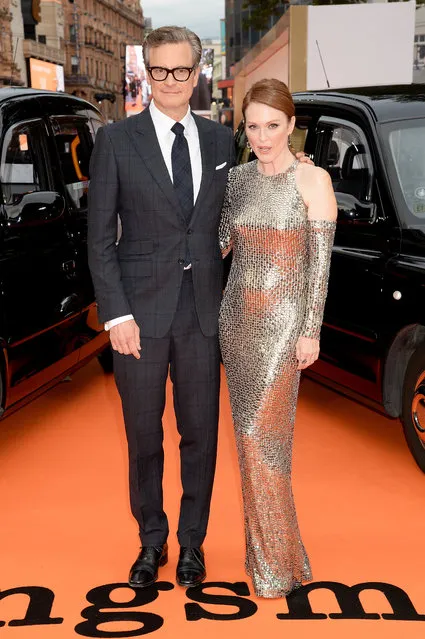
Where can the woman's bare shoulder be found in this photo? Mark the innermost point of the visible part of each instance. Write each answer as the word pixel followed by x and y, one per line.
pixel 312 175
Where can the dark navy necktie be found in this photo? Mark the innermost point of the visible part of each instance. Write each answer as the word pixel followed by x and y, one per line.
pixel 182 170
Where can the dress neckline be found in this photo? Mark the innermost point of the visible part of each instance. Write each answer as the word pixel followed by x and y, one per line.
pixel 293 165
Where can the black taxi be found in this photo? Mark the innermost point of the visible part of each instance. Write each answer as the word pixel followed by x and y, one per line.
pixel 48 318
pixel 372 143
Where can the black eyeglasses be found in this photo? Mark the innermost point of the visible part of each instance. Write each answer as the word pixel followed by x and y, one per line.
pixel 181 74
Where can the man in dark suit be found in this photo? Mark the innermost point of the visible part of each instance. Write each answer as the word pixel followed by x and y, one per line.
pixel 164 173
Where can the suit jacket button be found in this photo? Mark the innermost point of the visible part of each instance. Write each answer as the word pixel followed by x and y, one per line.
pixel 180 262
pixel 189 231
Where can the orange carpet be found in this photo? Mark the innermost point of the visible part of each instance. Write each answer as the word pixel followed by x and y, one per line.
pixel 67 537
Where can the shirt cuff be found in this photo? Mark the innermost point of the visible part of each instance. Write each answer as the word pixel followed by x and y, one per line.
pixel 117 320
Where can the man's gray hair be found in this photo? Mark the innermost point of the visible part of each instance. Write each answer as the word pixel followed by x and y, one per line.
pixel 172 35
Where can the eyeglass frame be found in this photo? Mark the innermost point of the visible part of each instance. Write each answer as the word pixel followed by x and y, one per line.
pixel 190 69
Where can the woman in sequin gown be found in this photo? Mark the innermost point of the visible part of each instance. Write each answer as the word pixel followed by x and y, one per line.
pixel 279 217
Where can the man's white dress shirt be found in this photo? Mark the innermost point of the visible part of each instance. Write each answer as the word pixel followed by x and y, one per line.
pixel 163 124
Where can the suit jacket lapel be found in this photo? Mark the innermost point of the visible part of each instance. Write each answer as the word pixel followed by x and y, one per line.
pixel 147 146
pixel 207 141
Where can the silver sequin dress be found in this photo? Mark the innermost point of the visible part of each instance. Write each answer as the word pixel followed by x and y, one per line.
pixel 275 292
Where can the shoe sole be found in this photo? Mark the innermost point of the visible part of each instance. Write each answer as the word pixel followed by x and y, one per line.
pixel 162 562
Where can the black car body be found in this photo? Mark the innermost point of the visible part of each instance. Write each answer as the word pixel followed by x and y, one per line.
pixel 48 318
pixel 372 142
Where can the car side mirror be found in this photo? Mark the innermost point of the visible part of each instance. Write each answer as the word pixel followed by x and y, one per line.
pixel 39 207
pixel 351 210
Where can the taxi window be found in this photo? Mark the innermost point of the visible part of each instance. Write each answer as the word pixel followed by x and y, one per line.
pixel 347 159
pixel 96 124
pixel 407 143
pixel 74 143
pixel 23 167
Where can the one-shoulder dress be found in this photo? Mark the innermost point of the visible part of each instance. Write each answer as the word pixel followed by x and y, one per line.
pixel 275 293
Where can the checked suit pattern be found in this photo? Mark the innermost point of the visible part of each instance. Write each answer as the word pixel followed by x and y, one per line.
pixel 175 309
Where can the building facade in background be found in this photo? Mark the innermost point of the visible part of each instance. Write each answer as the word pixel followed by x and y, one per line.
pixel 96 34
pixel 239 39
pixel 10 21
pixel 44 49
pixel 75 46
pixel 37 42
pixel 215 45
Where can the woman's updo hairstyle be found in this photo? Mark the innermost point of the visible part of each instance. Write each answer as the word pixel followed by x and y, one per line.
pixel 273 93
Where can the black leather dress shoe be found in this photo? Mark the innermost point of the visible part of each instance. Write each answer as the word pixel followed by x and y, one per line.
pixel 191 567
pixel 144 571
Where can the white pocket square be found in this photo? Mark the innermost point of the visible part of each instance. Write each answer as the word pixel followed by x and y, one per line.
pixel 220 166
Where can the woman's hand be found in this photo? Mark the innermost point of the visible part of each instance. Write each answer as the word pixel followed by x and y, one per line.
pixel 307 351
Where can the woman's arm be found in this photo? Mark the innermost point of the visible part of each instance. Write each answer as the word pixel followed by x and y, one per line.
pixel 316 189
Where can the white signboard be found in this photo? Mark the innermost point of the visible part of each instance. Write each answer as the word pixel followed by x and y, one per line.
pixel 359 45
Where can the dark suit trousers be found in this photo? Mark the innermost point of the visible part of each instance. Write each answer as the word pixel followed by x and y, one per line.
pixel 194 364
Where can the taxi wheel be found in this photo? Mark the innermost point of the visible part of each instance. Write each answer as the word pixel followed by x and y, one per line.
pixel 105 359
pixel 413 412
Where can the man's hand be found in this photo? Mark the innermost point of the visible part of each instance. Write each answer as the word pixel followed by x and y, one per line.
pixel 307 351
pixel 125 338
pixel 303 157
pixel 225 252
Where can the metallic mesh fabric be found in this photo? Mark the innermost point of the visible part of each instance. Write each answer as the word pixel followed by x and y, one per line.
pixel 275 292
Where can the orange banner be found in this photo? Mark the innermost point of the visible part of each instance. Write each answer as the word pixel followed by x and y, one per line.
pixel 45 75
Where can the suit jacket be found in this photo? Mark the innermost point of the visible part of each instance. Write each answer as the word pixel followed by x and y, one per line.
pixel 143 274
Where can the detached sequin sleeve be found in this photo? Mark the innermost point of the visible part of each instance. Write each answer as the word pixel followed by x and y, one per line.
pixel 320 237
pixel 224 231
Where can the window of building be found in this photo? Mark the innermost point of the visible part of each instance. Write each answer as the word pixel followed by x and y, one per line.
pixel 29 31
pixel 72 33
pixel 75 64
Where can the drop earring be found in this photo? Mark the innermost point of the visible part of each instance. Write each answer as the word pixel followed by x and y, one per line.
pixel 248 146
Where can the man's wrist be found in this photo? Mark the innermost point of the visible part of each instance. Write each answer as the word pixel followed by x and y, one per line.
pixel 118 320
